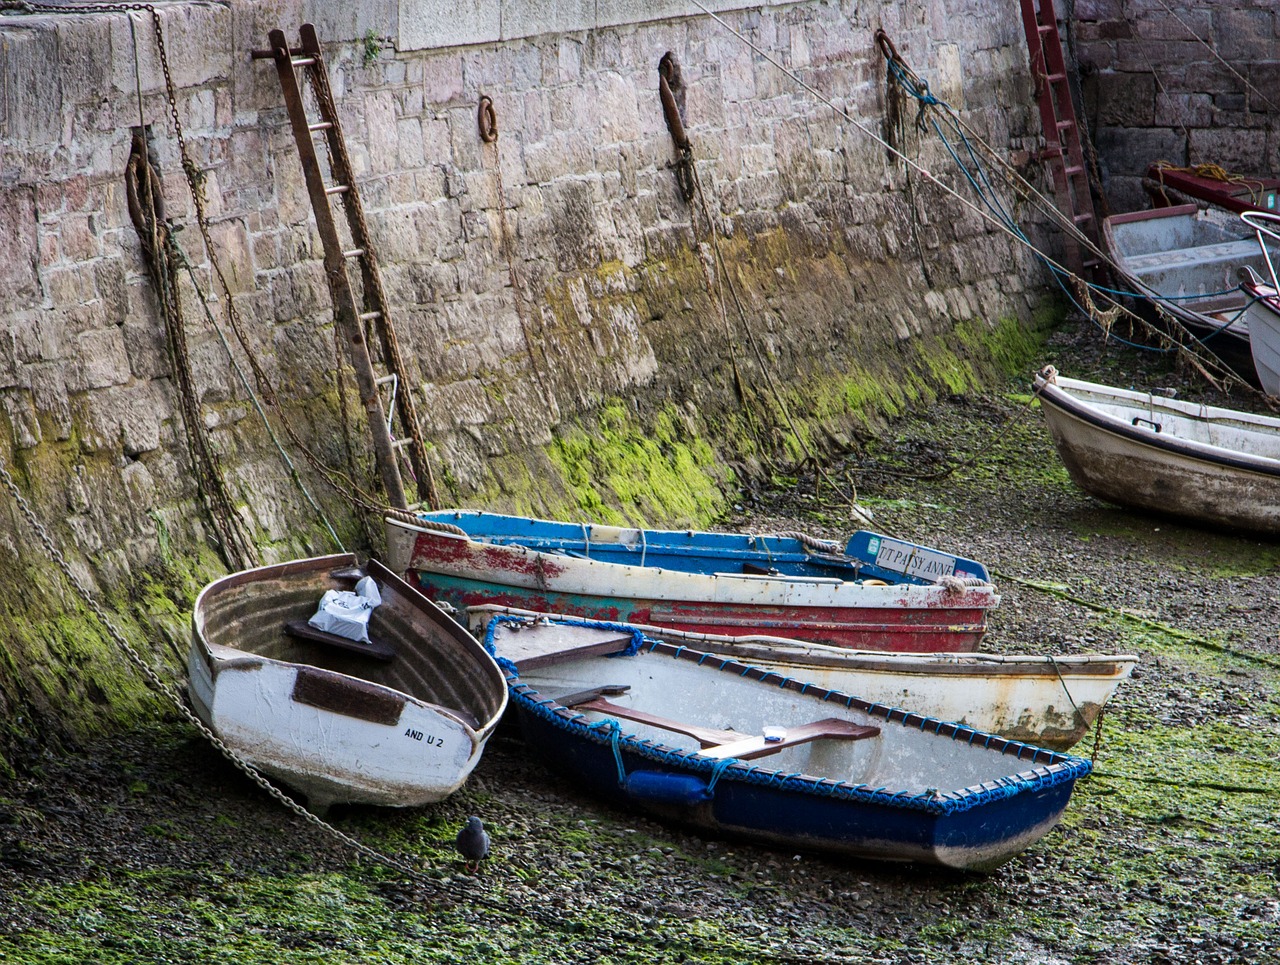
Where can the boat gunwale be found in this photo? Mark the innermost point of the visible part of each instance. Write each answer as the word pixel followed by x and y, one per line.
pixel 957 663
pixel 1059 767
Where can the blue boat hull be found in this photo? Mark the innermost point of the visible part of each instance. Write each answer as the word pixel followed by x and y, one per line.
pixel 976 840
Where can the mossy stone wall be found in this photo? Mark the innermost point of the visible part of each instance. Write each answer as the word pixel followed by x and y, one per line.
pixel 585 343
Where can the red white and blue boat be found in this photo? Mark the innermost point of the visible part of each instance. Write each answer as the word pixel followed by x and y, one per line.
pixel 873 593
pixel 721 747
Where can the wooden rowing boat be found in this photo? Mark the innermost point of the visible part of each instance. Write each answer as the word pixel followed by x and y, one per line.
pixel 400 721
pixel 1049 701
pixel 723 748
pixel 873 593
pixel 1185 260
pixel 1198 463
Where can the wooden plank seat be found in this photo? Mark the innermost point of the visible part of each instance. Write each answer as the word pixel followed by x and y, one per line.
pixel 375 649
pixel 722 744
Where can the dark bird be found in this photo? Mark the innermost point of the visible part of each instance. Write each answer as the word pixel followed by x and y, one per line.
pixel 473 843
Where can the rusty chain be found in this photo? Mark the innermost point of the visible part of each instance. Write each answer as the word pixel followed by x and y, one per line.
pixel 487 125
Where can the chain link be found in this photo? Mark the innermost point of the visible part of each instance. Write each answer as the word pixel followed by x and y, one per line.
pixel 162 688
pixel 517 290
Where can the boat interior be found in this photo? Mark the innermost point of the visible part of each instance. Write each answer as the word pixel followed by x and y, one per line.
pixel 667 697
pixel 415 648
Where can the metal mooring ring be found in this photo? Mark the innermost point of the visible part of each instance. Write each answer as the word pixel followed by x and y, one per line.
pixel 487 120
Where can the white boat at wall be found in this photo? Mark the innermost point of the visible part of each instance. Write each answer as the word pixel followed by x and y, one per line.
pixel 1046 701
pixel 1185 259
pixel 1262 312
pixel 1199 463
pixel 399 721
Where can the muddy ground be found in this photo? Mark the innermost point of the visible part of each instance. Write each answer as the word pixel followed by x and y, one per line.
pixel 152 848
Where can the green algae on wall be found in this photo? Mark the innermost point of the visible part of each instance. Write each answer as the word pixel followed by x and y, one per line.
pixel 621 471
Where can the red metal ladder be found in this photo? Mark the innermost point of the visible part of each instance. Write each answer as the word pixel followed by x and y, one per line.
pixel 1063 150
pixel 351 319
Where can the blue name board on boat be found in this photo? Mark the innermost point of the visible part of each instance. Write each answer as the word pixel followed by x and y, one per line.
pixel 899 556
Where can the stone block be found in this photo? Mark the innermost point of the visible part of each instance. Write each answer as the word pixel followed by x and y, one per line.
pixel 20 408
pixel 428 24
pixel 1131 151
pixel 19 283
pixel 1244 36
pixel 1184 110
pixel 528 18
pixel 350 22
pixel 1235 150
pixel 1158 25
pixel 127 418
pixel 1126 99
pixel 33 101
pixel 1099 10
pixel 103 358
pixel 134 58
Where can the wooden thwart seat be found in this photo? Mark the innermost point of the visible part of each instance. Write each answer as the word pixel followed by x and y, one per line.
pixel 375 649
pixel 749 748
pixel 722 744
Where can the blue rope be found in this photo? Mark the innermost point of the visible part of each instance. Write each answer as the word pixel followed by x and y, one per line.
pixel 982 187
pixel 615 737
pixel 717 771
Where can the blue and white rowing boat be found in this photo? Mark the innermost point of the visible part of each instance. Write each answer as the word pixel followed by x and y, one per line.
pixel 725 748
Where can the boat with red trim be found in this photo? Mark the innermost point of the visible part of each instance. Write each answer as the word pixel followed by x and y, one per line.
pixel 872 593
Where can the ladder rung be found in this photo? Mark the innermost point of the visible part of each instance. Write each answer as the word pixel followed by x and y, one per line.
pixel 1055 78
pixel 1074 170
pixel 369 316
pixel 401 443
pixel 302 61
pixel 354 253
pixel 337 189
pixel 270 54
pixel 385 380
pixel 1082 218
pixel 1063 125
pixel 320 126
pixel 1045 28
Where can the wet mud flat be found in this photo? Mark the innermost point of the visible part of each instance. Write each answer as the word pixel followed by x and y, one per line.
pixel 153 848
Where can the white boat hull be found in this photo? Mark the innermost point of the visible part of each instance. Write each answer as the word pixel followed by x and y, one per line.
pixel 333 723
pixel 328 755
pixel 1046 701
pixel 1199 463
pixel 1263 317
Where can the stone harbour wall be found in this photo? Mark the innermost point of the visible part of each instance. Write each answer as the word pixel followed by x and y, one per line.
pixel 1187 83
pixel 556 294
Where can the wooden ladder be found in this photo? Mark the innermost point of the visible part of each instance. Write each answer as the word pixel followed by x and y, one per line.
pixel 351 319
pixel 1063 150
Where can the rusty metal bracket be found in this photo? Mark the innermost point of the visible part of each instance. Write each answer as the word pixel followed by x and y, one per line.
pixel 671 92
